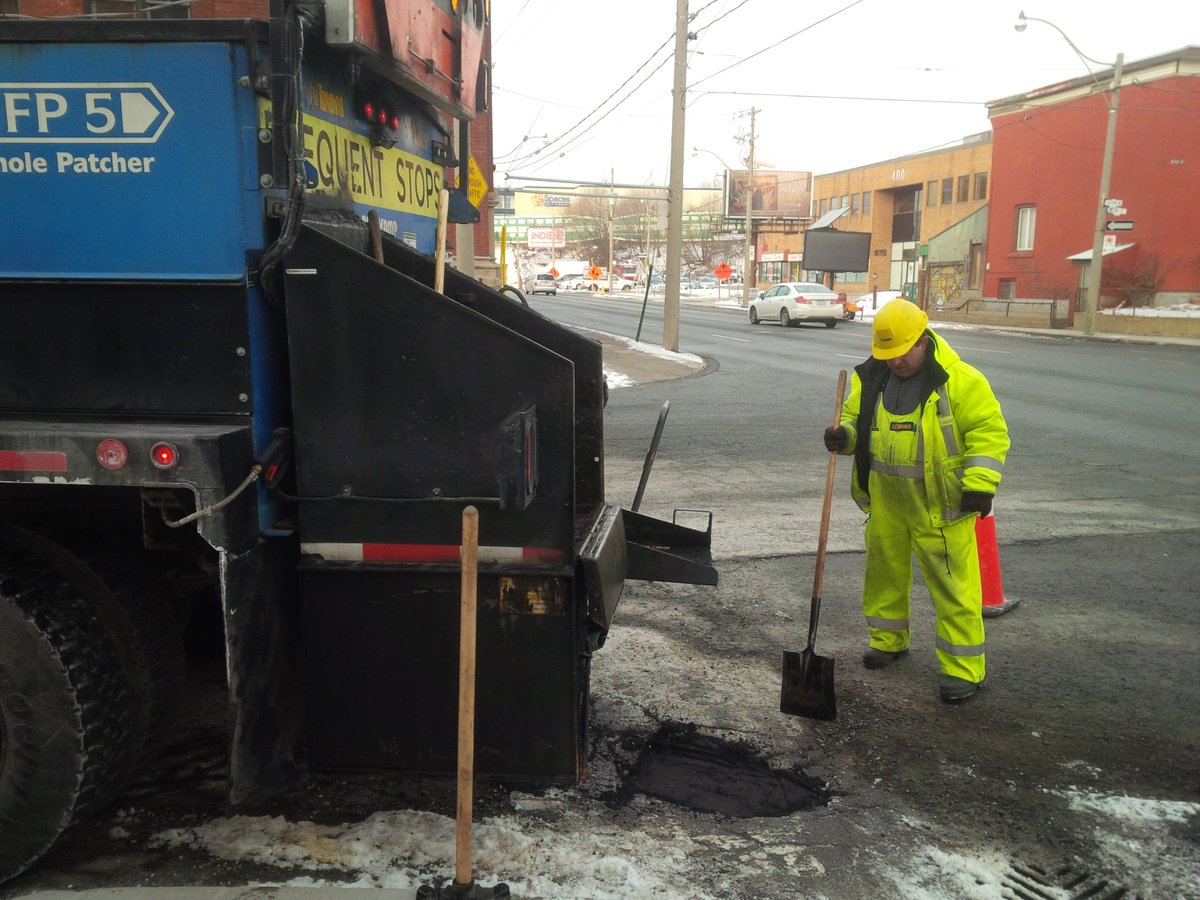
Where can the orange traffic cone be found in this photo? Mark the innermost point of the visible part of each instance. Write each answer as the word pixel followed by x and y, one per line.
pixel 994 601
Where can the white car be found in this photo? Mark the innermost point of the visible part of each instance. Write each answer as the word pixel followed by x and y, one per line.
pixel 793 302
pixel 866 305
pixel 543 283
pixel 619 285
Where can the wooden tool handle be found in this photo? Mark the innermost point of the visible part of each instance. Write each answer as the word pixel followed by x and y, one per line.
pixel 439 258
pixel 827 504
pixel 466 696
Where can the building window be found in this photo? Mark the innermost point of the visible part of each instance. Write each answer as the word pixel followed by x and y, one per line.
pixel 854 204
pixel 1026 221
pixel 964 188
pixel 947 190
pixel 981 186
pixel 10 7
pixel 845 201
pixel 931 193
pixel 824 206
pixel 1008 289
pixel 866 202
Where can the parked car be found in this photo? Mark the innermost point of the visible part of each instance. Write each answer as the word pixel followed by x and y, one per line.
pixel 708 281
pixel 793 302
pixel 619 285
pixel 866 305
pixel 573 283
pixel 543 283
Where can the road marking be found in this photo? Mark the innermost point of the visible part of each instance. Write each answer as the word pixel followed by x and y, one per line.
pixel 847 356
pixel 731 338
pixel 1178 362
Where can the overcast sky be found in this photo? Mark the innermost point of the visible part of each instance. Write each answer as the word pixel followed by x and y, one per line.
pixel 880 79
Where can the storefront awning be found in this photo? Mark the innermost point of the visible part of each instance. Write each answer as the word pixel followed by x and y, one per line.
pixel 1086 255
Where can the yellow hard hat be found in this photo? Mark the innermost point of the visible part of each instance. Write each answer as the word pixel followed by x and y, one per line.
pixel 897 327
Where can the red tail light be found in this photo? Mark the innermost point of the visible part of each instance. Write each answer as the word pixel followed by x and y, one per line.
pixel 800 298
pixel 164 455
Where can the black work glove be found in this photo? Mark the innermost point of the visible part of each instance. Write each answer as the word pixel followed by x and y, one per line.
pixel 836 439
pixel 976 502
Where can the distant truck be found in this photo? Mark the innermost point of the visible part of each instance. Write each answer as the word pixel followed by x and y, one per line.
pixel 235 412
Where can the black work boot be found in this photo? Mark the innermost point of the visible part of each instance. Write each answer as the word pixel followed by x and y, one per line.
pixel 952 689
pixel 881 659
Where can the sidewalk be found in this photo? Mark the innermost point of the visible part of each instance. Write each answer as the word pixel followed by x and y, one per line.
pixel 263 892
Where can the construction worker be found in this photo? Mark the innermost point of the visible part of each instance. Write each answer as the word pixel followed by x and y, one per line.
pixel 929 443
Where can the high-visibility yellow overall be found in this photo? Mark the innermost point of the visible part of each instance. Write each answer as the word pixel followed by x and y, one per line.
pixel 919 465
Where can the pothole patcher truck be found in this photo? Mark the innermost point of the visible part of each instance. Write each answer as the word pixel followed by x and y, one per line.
pixel 236 408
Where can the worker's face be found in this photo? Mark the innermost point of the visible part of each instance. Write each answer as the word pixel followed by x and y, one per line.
pixel 910 362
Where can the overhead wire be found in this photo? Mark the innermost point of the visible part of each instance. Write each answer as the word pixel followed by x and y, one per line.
pixel 588 117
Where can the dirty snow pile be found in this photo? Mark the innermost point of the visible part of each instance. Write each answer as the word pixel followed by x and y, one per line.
pixel 580 857
pixel 1175 311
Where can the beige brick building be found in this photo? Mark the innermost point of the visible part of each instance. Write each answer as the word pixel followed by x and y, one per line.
pixel 905 204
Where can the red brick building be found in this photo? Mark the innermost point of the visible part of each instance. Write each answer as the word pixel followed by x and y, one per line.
pixel 1048 147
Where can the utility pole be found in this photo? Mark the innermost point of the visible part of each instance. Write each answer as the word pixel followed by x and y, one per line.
pixel 1094 268
pixel 748 266
pixel 675 192
pixel 612 209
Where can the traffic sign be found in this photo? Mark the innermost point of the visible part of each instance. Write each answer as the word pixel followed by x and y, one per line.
pixel 1126 225
pixel 594 272
pixel 723 271
pixel 477 186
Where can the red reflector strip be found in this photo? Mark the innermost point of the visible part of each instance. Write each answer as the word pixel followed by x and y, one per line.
pixel 32 461
pixel 410 553
pixel 429 553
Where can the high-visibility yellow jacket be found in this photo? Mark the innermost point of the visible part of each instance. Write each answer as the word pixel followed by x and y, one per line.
pixel 964 435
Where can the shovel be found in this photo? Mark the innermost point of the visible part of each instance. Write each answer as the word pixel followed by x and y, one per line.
pixel 807 688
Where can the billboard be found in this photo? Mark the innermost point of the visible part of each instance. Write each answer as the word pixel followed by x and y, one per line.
pixel 776 195
pixel 836 251
pixel 545 237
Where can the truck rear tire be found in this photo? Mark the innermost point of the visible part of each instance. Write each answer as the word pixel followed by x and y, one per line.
pixel 133 605
pixel 65 710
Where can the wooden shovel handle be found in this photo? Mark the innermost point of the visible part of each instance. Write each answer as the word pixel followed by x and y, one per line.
pixel 827 504
pixel 466 696
pixel 439 257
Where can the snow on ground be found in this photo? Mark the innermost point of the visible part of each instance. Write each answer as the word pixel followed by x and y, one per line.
pixel 1176 311
pixel 583 856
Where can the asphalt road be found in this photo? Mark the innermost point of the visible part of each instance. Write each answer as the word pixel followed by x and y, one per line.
pixel 1074 773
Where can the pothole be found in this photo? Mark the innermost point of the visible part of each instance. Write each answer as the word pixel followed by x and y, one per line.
pixel 705 773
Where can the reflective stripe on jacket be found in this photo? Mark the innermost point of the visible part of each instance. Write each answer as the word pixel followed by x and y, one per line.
pixel 963 433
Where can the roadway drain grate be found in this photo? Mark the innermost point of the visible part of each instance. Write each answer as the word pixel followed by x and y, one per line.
pixel 1025 881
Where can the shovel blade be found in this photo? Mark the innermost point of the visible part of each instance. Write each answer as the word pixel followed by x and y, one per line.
pixel 807 688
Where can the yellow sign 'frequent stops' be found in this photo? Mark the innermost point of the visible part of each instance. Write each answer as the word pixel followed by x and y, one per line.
pixel 347 165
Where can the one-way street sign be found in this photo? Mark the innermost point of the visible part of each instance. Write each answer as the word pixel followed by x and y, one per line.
pixel 1119 226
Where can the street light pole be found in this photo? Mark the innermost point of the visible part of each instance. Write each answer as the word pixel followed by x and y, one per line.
pixel 1095 267
pixel 748 265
